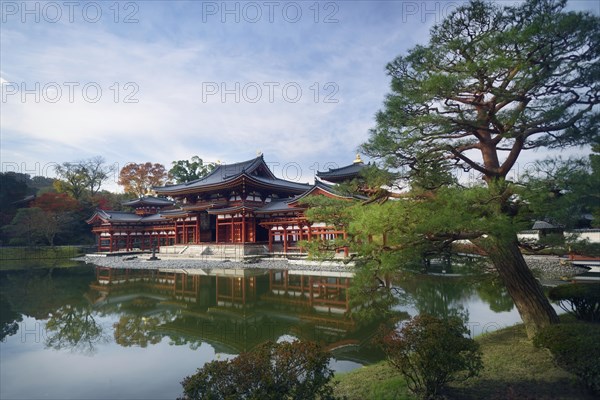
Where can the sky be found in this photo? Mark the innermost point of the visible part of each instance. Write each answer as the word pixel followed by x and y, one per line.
pixel 137 81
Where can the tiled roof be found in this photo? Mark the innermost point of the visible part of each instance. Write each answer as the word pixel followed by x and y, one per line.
pixel 254 170
pixel 286 204
pixel 222 173
pixel 178 212
pixel 346 172
pixel 122 216
pixel 152 218
pixel 544 225
pixel 282 183
pixel 276 206
pixel 119 216
pixel 149 200
pixel 228 210
pixel 323 186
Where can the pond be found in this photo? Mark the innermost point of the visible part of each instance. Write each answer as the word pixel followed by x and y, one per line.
pixel 91 332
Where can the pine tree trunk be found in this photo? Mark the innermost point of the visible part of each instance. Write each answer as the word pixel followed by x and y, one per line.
pixel 533 305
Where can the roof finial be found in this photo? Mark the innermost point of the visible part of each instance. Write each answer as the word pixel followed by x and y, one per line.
pixel 258 153
pixel 357 160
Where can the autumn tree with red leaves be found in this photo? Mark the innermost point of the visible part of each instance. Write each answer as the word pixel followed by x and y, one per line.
pixel 138 179
pixel 57 212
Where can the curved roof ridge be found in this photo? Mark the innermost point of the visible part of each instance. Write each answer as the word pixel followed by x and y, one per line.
pixel 356 166
pixel 154 200
pixel 243 164
pixel 221 173
pixel 341 174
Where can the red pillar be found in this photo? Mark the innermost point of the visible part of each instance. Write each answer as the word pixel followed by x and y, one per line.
pixel 270 240
pixel 176 235
pixel 285 239
pixel 197 230
pixel 243 227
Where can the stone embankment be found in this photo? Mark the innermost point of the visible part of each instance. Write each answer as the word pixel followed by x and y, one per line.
pixel 544 267
pixel 142 262
pixel 552 267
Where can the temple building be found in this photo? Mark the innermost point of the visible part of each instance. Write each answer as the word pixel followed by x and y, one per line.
pixel 140 229
pixel 241 203
pixel 343 174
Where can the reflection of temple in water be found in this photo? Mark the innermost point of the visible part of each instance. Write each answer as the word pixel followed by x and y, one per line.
pixel 236 309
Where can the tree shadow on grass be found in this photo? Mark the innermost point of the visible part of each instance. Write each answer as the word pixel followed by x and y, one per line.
pixel 564 389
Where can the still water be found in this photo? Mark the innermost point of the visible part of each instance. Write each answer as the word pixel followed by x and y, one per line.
pixel 89 333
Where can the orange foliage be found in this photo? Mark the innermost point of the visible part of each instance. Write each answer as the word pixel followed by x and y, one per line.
pixel 139 179
pixel 56 202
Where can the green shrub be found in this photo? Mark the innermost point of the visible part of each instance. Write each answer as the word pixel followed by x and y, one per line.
pixel 297 370
pixel 431 352
pixel 580 299
pixel 575 348
pixel 586 248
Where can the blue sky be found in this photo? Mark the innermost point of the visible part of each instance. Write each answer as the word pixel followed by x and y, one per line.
pixel 166 80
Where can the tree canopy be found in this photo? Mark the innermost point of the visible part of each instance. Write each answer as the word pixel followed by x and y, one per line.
pixel 296 370
pixel 50 214
pixel 138 179
pixel 189 170
pixel 492 82
pixel 82 177
pixel 564 192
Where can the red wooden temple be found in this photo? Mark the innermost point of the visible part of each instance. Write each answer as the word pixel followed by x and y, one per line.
pixel 236 203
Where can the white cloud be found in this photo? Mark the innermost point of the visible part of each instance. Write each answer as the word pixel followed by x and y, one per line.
pixel 170 57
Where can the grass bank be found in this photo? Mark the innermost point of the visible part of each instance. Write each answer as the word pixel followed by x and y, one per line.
pixel 12 258
pixel 513 369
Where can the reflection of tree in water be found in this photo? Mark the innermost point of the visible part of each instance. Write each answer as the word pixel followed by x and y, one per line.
pixel 438 296
pixel 37 293
pixel 75 328
pixel 182 340
pixel 374 298
pixel 56 295
pixel 140 330
pixel 493 292
pixel 9 320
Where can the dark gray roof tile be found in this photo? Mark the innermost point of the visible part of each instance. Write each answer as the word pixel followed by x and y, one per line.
pixel 150 201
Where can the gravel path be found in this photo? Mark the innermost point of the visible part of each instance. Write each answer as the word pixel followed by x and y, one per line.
pixel 552 267
pixel 141 262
